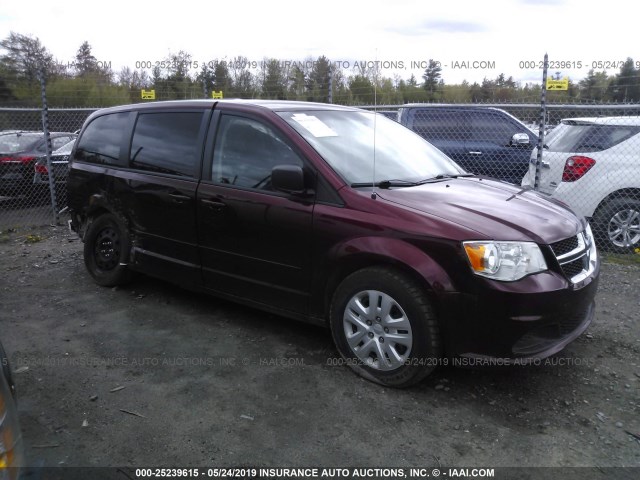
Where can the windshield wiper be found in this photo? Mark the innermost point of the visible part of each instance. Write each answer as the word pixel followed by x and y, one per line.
pixel 384 184
pixel 444 176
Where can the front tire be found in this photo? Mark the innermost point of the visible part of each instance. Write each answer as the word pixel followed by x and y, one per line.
pixel 384 327
pixel 106 251
pixel 618 224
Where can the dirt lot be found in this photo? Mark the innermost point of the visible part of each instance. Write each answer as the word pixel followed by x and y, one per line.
pixel 152 375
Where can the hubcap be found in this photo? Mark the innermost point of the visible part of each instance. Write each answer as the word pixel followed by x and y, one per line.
pixel 377 330
pixel 624 228
pixel 106 250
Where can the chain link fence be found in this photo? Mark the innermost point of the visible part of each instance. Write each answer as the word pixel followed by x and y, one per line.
pixel 27 197
pixel 590 160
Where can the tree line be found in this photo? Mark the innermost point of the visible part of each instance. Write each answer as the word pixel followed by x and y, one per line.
pixel 87 82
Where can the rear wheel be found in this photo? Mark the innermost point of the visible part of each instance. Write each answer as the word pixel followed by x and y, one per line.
pixel 618 224
pixel 384 327
pixel 106 251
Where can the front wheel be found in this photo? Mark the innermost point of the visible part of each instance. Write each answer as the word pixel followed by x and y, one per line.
pixel 384 327
pixel 618 224
pixel 106 251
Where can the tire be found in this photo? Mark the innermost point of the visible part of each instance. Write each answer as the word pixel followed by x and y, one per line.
pixel 5 370
pixel 106 251
pixel 396 349
pixel 617 224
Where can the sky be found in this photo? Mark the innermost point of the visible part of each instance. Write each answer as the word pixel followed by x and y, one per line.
pixel 471 39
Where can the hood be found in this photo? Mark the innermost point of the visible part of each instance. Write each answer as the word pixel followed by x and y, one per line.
pixel 496 210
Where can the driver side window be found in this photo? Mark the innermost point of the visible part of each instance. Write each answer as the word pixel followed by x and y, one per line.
pixel 246 151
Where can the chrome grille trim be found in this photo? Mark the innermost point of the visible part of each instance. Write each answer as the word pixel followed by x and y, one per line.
pixel 580 262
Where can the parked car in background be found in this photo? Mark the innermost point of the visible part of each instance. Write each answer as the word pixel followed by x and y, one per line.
pixel 59 164
pixel 18 154
pixel 335 216
pixel 10 434
pixel 593 165
pixel 482 140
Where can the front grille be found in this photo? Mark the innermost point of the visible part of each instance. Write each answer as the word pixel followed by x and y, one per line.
pixel 564 246
pixel 573 254
pixel 571 269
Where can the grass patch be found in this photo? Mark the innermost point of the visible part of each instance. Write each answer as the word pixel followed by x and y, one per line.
pixel 622 259
pixel 33 238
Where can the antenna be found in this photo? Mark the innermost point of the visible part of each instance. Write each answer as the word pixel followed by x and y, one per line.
pixel 375 118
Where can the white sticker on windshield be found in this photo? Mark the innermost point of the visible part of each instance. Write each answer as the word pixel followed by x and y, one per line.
pixel 314 125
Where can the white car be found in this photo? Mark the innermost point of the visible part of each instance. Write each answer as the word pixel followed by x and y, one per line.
pixel 593 165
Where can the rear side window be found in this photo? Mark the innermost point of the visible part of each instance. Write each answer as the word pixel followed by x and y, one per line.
pixel 167 142
pixel 102 139
pixel 582 138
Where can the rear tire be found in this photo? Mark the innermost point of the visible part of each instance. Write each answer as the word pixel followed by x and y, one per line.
pixel 384 327
pixel 617 225
pixel 106 251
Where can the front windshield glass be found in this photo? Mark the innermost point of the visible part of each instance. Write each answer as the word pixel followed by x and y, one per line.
pixel 346 140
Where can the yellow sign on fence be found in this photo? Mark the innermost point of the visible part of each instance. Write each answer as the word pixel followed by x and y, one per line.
pixel 562 84
pixel 148 94
pixel 217 94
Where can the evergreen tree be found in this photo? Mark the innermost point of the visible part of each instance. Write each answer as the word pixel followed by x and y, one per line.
pixel 431 78
pixel 86 64
pixel 625 86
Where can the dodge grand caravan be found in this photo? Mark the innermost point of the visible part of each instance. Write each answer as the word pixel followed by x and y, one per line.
pixel 336 216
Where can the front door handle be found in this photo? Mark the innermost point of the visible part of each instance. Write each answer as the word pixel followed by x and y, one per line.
pixel 179 198
pixel 214 205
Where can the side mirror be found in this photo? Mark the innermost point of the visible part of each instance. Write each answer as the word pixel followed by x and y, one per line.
pixel 288 178
pixel 519 139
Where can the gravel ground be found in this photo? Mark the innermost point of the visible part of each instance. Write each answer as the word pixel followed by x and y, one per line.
pixel 153 375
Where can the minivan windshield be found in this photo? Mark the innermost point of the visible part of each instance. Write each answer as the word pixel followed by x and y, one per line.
pixel 346 140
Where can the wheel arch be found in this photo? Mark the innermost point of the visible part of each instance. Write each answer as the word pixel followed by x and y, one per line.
pixel 633 192
pixel 395 254
pixel 98 205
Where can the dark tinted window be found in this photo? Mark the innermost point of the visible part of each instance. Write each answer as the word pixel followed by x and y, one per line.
pixel 167 142
pixel 576 137
pixel 489 127
pixel 246 151
pixel 436 124
pixel 101 140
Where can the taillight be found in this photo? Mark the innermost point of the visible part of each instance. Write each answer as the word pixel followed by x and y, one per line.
pixel 41 168
pixel 575 168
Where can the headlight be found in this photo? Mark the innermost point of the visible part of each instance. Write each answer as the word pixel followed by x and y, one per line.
pixel 506 261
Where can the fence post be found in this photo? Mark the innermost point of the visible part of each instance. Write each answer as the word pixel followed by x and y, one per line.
pixel 542 121
pixel 45 129
pixel 330 93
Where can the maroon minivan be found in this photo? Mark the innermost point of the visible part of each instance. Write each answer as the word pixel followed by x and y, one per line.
pixel 336 216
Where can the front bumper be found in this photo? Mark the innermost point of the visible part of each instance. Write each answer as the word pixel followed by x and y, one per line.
pixel 531 319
